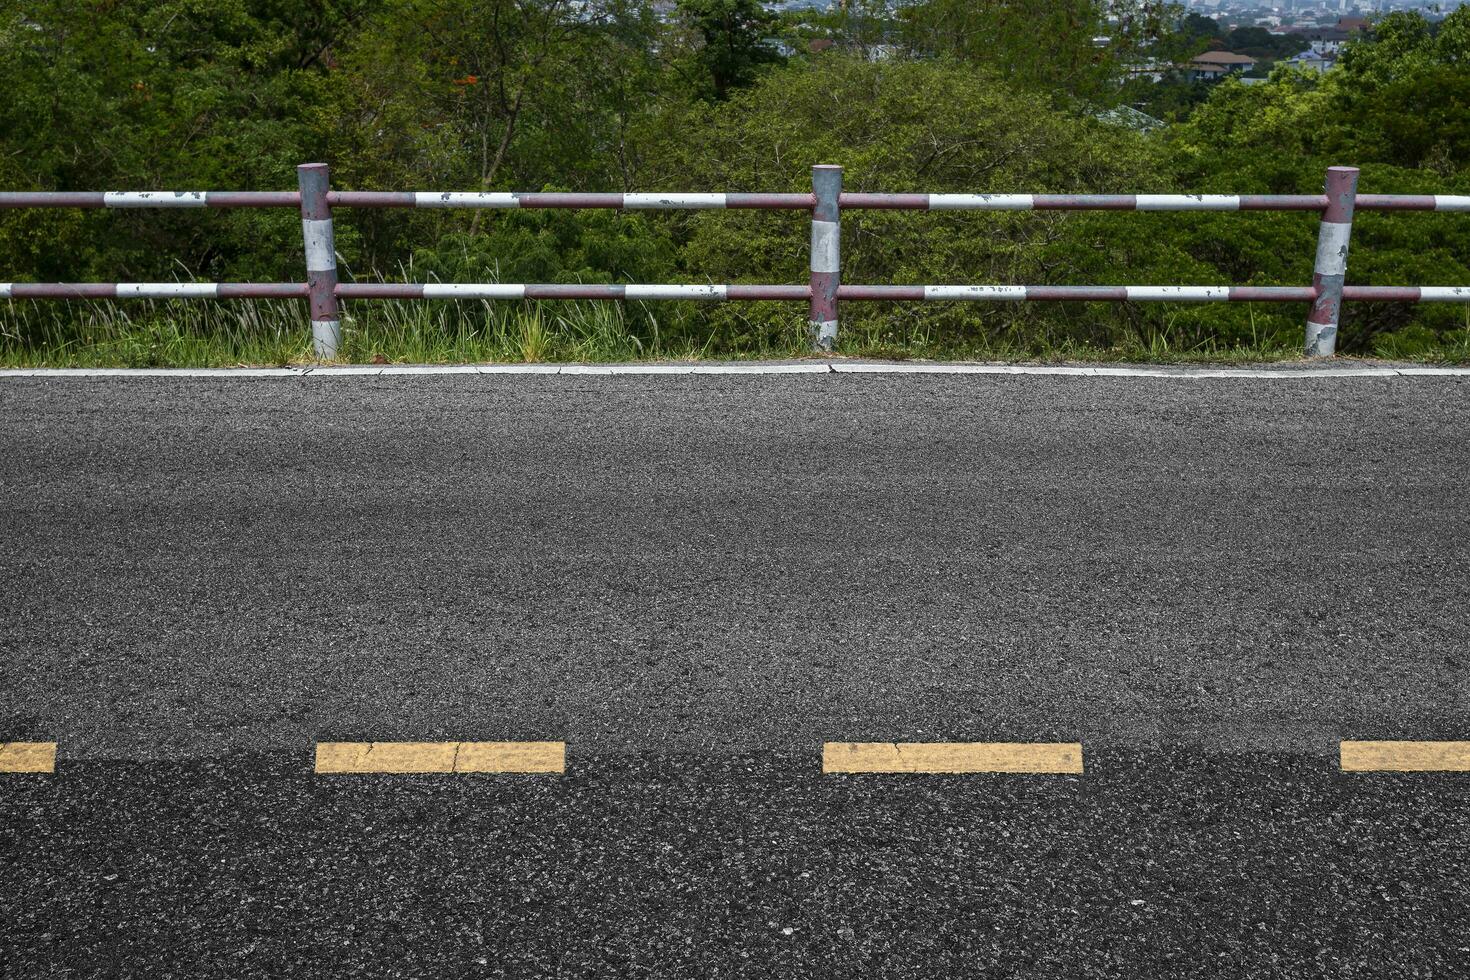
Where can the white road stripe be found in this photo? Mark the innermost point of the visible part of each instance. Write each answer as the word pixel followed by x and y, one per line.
pixel 612 369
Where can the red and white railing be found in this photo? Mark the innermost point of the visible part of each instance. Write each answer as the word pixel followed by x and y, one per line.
pixel 823 290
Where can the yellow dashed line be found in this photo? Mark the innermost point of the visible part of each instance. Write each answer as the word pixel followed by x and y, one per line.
pixel 952 757
pixel 27 756
pixel 1405 756
pixel 422 757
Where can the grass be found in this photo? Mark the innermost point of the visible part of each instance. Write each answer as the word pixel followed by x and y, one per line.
pixel 165 333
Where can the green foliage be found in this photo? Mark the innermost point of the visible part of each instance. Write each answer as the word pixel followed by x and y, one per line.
pixel 1171 100
pixel 553 246
pixel 732 45
pixel 1372 111
pixel 1261 43
pixel 177 93
pixel 905 126
pixel 1196 27
pixel 1072 48
pixel 941 96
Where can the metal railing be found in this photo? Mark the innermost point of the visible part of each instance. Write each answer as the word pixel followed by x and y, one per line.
pixel 823 290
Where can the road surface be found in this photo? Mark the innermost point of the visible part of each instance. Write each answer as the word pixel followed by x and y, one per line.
pixel 696 583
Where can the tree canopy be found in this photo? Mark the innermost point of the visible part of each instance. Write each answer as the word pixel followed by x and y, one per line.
pixel 999 95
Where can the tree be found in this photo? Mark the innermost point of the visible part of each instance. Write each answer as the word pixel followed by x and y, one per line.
pixel 921 125
pixel 175 94
pixel 1261 43
pixel 1197 27
pixel 1398 106
pixel 732 44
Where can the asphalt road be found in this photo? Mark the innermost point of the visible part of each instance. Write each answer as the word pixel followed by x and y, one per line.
pixel 695 582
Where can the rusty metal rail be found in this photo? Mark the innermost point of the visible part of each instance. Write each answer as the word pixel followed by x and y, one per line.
pixel 823 289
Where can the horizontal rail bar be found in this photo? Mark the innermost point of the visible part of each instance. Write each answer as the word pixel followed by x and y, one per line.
pixel 559 199
pixel 1155 294
pixel 152 290
pixel 149 199
pixel 1086 202
pixel 1146 202
pixel 498 290
pixel 405 199
pixel 731 201
pixel 1413 202
pixel 735 291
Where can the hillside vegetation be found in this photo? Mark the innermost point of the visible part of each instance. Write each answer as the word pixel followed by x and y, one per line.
pixel 542 94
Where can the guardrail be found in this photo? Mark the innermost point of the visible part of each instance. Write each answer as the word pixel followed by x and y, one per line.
pixel 824 288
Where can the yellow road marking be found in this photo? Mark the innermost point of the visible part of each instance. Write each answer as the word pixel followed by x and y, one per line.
pixel 419 757
pixel 1405 756
pixel 27 756
pixel 952 757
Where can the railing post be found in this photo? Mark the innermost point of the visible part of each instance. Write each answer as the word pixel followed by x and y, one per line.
pixel 826 255
pixel 1331 268
pixel 321 259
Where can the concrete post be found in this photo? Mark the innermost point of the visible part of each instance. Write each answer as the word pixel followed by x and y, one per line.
pixel 1331 268
pixel 826 255
pixel 321 260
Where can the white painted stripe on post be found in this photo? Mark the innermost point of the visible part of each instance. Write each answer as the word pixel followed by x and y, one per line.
pixel 4 290
pixel 154 199
pixel 1444 294
pixel 326 338
pixel 1332 247
pixel 657 202
pixel 321 252
pixel 981 202
pixel 975 292
pixel 167 290
pixel 474 290
pixel 1188 202
pixel 472 199
pixel 674 292
pixel 826 246
pixel 1182 294
pixel 1451 202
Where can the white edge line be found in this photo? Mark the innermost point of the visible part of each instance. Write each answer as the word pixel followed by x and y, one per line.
pixel 519 368
pixel 154 372
pixel 816 367
pixel 626 369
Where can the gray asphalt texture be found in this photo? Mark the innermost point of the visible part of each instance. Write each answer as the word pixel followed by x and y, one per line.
pixel 695 581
